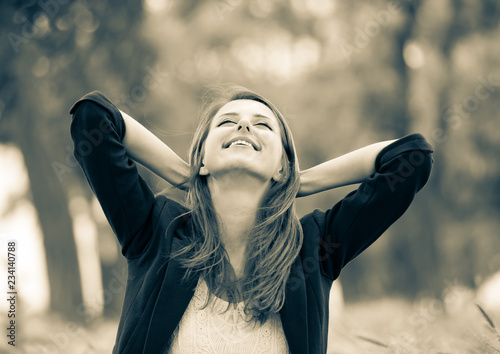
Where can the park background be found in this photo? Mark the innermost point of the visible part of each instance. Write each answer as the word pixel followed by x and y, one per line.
pixel 344 73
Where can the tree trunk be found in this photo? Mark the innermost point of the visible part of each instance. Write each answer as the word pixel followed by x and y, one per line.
pixel 50 201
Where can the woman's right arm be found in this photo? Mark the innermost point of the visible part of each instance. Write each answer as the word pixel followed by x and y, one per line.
pixel 99 134
pixel 144 147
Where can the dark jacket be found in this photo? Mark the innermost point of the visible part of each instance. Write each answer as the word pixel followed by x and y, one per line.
pixel 148 227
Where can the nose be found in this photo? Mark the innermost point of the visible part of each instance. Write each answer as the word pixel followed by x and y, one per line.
pixel 244 124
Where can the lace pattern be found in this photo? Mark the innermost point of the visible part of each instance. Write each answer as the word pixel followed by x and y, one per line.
pixel 211 330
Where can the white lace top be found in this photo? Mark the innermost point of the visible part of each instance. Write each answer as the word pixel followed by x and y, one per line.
pixel 209 330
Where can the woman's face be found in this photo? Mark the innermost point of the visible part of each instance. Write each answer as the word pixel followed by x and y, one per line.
pixel 244 136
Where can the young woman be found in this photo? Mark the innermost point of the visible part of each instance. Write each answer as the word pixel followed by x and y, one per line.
pixel 234 270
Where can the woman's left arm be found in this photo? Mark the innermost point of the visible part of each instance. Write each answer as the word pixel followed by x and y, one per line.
pixel 391 181
pixel 350 168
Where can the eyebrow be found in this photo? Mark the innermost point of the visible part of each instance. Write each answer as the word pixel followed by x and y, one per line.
pixel 234 114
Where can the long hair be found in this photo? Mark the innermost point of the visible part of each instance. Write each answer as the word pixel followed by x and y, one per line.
pixel 275 239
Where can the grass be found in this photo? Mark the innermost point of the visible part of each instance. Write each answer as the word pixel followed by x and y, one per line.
pixel 387 325
pixel 426 326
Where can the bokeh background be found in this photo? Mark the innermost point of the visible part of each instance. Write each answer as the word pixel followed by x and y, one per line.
pixel 344 73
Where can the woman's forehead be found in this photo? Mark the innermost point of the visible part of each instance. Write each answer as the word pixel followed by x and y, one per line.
pixel 246 107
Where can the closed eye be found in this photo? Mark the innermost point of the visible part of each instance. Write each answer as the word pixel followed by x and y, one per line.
pixel 265 124
pixel 225 122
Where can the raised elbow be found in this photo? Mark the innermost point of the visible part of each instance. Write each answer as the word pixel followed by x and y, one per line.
pixel 410 171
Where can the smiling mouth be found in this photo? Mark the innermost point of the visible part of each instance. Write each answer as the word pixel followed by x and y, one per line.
pixel 242 143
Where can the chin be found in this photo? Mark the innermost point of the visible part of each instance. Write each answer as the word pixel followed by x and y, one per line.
pixel 240 171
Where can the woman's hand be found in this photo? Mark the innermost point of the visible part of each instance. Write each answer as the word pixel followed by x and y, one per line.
pixel 350 168
pixel 145 148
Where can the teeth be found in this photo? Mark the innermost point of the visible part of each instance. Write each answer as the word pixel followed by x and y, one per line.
pixel 241 142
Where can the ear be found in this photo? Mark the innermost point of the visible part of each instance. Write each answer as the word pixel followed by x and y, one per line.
pixel 278 175
pixel 203 171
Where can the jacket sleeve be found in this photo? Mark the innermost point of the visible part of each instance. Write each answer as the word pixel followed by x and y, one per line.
pixel 97 130
pixel 401 170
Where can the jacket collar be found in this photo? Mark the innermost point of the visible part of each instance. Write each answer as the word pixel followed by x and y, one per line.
pixel 171 303
pixel 294 311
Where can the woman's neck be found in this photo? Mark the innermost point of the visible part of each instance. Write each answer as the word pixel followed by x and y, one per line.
pixel 236 200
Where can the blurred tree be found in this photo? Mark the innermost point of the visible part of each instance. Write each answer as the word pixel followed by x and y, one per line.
pixel 455 20
pixel 24 124
pixel 56 52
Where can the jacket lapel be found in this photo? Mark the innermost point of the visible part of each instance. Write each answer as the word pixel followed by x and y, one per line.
pixel 294 311
pixel 175 295
pixel 172 301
